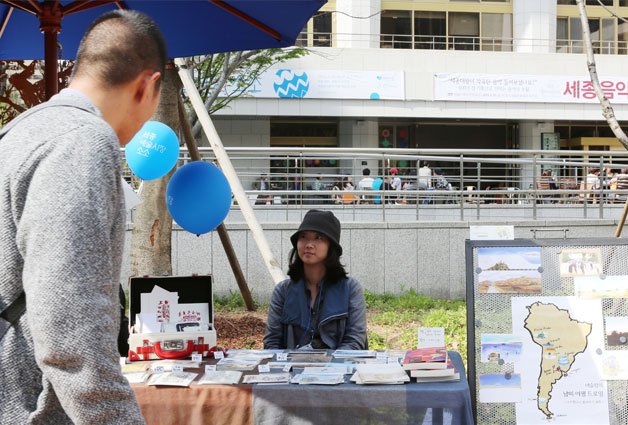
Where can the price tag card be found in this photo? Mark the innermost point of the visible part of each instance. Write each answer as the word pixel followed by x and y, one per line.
pixel 210 368
pixel 197 357
pixel 219 355
pixel 380 355
pixel 157 370
pixel 177 368
pixel 287 368
pixel 282 357
pixel 393 360
pixel 431 337
pixel 263 368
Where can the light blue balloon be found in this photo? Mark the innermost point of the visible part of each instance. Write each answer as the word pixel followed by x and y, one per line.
pixel 153 151
pixel 198 197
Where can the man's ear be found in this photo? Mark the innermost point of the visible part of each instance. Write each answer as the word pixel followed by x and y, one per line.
pixel 146 85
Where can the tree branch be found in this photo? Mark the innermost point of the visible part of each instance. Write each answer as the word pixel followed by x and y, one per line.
pixel 607 109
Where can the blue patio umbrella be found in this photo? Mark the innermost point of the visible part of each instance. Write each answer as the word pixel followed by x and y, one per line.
pixel 190 27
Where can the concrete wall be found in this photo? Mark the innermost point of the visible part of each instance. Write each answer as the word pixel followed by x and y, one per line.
pixel 428 257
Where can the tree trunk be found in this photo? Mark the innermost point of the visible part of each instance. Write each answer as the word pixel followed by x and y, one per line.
pixel 152 228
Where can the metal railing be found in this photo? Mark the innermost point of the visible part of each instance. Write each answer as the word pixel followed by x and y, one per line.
pixel 462 42
pixel 480 184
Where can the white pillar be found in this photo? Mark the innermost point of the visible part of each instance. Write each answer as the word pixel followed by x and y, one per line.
pixel 360 133
pixel 530 139
pixel 534 26
pixel 354 32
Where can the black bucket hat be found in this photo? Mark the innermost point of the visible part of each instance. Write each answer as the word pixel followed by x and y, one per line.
pixel 324 222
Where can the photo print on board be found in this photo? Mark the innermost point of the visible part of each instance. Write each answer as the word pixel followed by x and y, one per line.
pixel 509 270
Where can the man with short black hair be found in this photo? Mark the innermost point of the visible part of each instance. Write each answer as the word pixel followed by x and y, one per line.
pixel 62 222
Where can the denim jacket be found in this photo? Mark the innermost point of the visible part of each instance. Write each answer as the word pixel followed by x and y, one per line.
pixel 341 319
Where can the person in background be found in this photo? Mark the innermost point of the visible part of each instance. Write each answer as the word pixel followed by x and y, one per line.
pixel 395 184
pixel 425 177
pixel 318 183
pixel 319 306
pixel 366 184
pixel 262 184
pixel 338 185
pixel 62 223
pixel 441 182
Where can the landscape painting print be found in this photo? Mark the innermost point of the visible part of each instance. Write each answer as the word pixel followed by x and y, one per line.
pixel 509 258
pixel 510 282
pixel 509 270
pixel 496 347
pixel 617 331
pixel 580 262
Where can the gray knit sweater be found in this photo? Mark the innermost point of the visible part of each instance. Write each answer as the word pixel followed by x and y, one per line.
pixel 61 239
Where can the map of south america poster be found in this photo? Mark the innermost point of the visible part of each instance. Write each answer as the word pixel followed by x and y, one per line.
pixel 559 378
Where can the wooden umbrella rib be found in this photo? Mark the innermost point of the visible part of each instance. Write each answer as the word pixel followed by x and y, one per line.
pixel 21 5
pixel 257 24
pixel 81 5
pixel 36 5
pixel 5 20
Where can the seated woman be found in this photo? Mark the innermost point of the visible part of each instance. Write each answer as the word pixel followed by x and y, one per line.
pixel 319 306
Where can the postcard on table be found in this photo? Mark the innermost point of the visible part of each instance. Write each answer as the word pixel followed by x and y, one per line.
pixel 496 347
pixel 177 379
pixel 580 262
pixel 225 377
pixel 318 379
pixel 267 378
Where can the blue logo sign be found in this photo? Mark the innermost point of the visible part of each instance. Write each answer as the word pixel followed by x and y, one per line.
pixel 290 84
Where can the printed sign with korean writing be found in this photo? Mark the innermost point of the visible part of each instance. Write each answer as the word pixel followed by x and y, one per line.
pixel 526 88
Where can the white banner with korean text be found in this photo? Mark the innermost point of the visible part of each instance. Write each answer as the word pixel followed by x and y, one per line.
pixel 324 84
pixel 527 88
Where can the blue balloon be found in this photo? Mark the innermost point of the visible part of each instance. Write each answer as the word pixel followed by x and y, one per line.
pixel 153 151
pixel 198 197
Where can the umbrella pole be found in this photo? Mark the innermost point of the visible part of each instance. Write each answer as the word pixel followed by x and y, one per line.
pixel 50 66
pixel 50 16
pixel 222 230
pixel 227 168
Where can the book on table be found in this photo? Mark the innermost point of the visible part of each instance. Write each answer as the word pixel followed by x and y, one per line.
pixel 454 377
pixel 450 370
pixel 426 358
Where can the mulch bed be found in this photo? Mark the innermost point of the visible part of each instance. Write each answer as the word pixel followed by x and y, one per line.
pixel 240 329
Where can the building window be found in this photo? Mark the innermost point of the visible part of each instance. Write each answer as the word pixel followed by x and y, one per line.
pixel 430 30
pixel 497 32
pixel 303 134
pixel 317 31
pixel 588 2
pixel 622 37
pixel 569 35
pixel 322 29
pixel 464 31
pixel 396 29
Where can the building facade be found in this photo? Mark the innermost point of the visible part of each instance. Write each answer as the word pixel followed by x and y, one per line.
pixel 443 74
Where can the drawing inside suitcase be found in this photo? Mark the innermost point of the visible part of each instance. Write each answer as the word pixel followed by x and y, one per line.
pixel 171 317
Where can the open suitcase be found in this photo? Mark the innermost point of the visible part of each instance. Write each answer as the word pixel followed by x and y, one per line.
pixel 171 345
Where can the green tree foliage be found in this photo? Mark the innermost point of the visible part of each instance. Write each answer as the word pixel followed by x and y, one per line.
pixel 223 77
